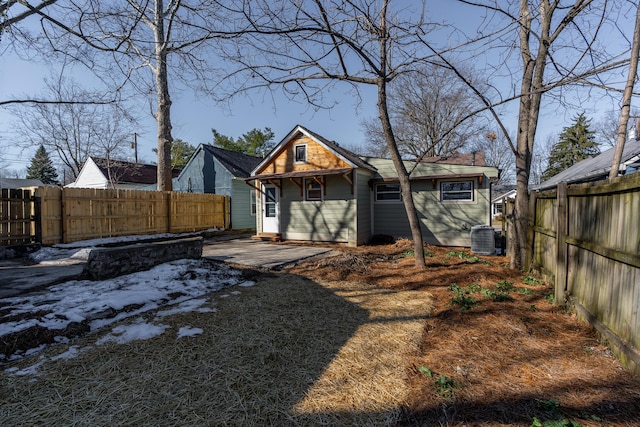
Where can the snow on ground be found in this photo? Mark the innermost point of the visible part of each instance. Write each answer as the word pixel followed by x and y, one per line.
pixel 171 288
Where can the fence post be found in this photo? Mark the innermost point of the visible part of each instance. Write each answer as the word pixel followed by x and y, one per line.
pixel 227 216
pixel 530 233
pixel 169 197
pixel 36 215
pixel 65 218
pixel 561 243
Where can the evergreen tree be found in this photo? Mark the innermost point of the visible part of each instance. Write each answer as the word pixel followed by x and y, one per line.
pixel 256 142
pixel 181 152
pixel 577 142
pixel 42 168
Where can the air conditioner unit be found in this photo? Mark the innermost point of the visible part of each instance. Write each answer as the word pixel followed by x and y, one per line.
pixel 483 240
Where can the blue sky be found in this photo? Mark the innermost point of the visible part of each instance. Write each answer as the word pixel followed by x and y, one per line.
pixel 194 117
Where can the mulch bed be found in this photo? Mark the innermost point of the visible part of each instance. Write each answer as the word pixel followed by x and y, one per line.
pixel 495 350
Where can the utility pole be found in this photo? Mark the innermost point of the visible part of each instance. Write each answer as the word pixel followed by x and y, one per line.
pixel 134 145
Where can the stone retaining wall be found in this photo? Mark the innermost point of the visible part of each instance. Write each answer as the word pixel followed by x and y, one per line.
pixel 106 263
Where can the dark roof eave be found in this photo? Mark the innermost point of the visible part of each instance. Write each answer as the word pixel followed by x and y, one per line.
pixel 300 174
pixel 425 177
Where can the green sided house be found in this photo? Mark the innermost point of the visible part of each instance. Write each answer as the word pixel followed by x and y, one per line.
pixel 311 189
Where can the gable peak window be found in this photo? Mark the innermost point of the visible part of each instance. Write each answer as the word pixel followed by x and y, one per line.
pixel 300 153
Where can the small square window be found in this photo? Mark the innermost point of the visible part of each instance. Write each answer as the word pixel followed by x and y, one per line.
pixel 300 153
pixel 388 193
pixel 456 191
pixel 313 189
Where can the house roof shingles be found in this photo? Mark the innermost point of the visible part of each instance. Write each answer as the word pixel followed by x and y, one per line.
pixel 13 183
pixel 466 159
pixel 238 164
pixel 595 168
pixel 127 172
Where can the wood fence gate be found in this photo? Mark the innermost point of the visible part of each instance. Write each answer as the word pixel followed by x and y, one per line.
pixel 18 224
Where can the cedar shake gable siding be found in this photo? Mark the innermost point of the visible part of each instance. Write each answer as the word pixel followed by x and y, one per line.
pixel 317 158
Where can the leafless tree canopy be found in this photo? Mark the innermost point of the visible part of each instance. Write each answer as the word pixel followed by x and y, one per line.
pixel 140 45
pixel 432 114
pixel 304 47
pixel 498 153
pixel 74 131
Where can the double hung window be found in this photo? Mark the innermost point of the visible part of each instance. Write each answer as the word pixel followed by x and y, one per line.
pixel 456 191
pixel 388 193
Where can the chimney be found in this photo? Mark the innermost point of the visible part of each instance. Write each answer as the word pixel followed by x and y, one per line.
pixel 473 158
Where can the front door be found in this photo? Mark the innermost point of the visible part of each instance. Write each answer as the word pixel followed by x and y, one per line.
pixel 270 209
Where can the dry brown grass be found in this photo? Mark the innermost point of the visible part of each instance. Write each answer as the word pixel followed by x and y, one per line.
pixel 356 338
pixel 289 351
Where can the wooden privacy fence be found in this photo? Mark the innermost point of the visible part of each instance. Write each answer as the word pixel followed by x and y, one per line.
pixel 586 239
pixel 17 217
pixel 73 214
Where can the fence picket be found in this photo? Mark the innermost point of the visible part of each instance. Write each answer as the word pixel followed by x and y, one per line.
pixel 601 249
pixel 72 214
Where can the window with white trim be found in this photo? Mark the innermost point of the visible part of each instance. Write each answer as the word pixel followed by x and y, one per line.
pixel 252 202
pixel 388 192
pixel 313 189
pixel 456 191
pixel 300 153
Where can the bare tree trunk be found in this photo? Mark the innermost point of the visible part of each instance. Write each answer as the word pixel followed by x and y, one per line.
pixel 163 115
pixel 403 176
pixel 626 99
pixel 531 90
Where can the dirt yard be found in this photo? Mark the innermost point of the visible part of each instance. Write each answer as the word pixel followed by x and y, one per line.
pixel 358 338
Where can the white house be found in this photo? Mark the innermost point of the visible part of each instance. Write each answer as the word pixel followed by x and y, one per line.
pixel 102 173
pixel 498 200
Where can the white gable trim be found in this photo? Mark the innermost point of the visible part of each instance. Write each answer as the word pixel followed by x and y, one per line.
pixel 283 143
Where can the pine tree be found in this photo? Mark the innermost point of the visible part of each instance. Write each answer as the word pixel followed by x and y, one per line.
pixel 42 168
pixel 577 142
pixel 256 142
pixel 181 152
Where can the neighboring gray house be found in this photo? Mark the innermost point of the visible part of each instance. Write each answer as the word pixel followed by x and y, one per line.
pixel 215 170
pixel 312 189
pixel 596 168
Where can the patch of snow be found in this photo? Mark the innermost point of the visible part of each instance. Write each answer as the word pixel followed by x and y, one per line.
pixel 140 330
pixel 181 285
pixel 71 353
pixel 30 370
pixel 188 331
pixel 84 300
pixel 186 307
